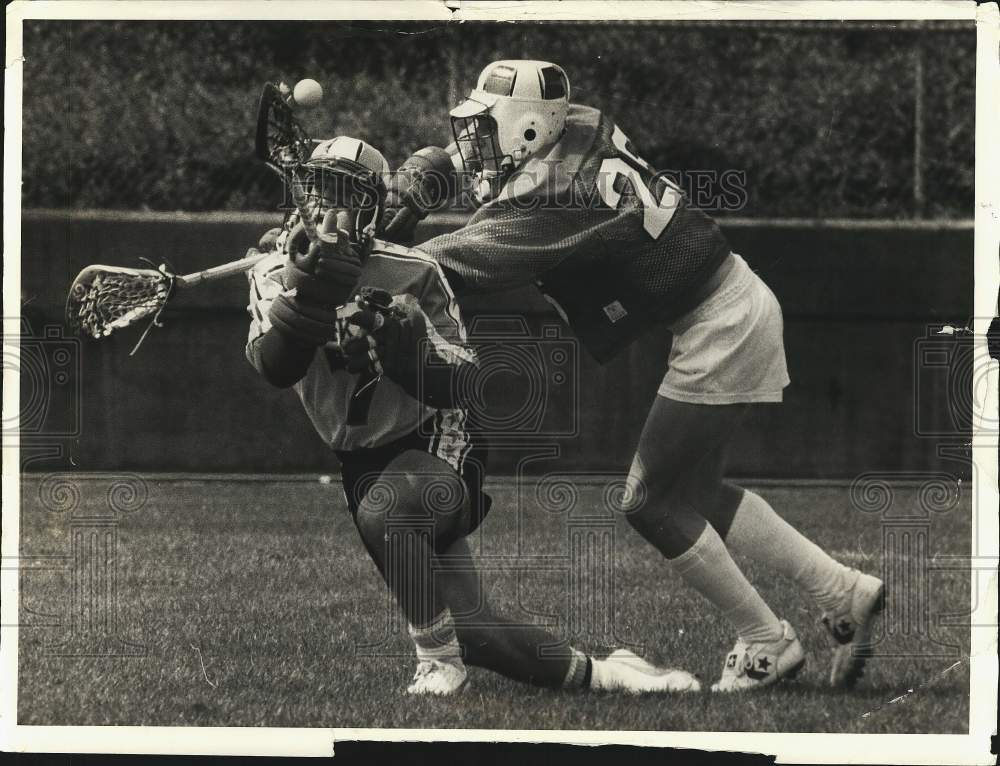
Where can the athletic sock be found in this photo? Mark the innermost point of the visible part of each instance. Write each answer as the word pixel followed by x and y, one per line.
pixel 708 568
pixel 438 640
pixel 580 670
pixel 759 533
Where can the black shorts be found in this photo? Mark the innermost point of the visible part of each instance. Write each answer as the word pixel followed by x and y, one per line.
pixel 445 436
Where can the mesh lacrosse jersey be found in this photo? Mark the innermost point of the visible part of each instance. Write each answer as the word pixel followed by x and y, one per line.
pixel 327 389
pixel 611 243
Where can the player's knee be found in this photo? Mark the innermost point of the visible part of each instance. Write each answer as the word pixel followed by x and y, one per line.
pixel 438 500
pixel 649 500
pixel 370 522
pixel 657 490
pixel 666 517
pixel 388 502
pixel 426 504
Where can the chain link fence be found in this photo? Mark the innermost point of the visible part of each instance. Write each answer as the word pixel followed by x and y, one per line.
pixel 828 119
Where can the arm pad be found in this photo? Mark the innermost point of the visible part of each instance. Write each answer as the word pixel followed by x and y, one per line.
pixel 279 359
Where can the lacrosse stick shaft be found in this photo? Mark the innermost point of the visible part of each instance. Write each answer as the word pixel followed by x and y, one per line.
pixel 252 258
pixel 299 198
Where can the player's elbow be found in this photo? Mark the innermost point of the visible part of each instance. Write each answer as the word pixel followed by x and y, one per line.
pixel 279 379
pixel 281 364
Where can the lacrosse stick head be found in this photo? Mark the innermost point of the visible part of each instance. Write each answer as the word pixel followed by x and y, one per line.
pixel 281 141
pixel 103 299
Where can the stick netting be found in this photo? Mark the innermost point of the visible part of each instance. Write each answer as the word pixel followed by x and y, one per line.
pixel 111 300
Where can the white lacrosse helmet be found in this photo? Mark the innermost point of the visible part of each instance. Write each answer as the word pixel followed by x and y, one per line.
pixel 518 108
pixel 345 173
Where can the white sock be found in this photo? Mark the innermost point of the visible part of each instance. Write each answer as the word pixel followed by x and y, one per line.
pixel 576 674
pixel 708 568
pixel 759 533
pixel 438 640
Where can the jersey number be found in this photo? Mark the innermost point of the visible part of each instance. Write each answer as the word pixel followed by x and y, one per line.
pixel 655 214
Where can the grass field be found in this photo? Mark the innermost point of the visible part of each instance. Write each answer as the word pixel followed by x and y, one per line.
pixel 248 599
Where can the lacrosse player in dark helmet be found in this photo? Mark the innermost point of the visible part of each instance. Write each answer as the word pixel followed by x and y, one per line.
pixel 566 203
pixel 348 320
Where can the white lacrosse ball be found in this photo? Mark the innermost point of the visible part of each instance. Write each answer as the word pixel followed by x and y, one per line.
pixel 307 93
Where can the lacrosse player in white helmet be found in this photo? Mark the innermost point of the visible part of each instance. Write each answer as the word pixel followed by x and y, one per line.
pixel 567 204
pixel 379 382
pixel 517 109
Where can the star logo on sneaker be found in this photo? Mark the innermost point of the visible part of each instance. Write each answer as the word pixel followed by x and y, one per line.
pixel 731 661
pixel 761 671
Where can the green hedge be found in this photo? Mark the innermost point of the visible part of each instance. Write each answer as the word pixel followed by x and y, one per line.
pixel 821 119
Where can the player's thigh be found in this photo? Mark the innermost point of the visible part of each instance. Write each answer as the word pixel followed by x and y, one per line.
pixel 681 441
pixel 416 489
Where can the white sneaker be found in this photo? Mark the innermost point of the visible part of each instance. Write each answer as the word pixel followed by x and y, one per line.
pixel 440 677
pixel 754 666
pixel 850 629
pixel 625 671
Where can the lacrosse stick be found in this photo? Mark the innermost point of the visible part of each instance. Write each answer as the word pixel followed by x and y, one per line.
pixel 103 299
pixel 283 144
pixel 285 147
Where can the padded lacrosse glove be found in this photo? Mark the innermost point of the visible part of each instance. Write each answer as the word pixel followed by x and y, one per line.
pixel 404 351
pixel 326 271
pixel 269 240
pixel 402 226
pixel 396 341
pixel 423 183
pixel 303 321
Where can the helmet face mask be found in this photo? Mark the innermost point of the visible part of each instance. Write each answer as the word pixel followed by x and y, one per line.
pixel 347 175
pixel 517 109
pixel 476 138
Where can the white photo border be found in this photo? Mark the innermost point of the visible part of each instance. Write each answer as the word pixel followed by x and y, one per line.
pixel 972 748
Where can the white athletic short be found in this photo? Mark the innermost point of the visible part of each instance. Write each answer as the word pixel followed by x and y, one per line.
pixel 730 348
